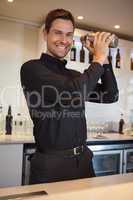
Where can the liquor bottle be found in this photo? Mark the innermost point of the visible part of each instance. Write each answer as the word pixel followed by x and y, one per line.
pixel 73 52
pixel 90 57
pixel 1 121
pixel 121 124
pixel 118 59
pixel 9 119
pixel 131 64
pixel 82 54
pixel 110 56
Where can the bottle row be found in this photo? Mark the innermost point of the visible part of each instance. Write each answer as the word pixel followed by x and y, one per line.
pixel 82 56
pixel 14 125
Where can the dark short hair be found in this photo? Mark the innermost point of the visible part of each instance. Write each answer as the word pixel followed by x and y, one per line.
pixel 58 14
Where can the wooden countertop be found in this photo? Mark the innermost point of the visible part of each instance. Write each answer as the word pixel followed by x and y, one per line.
pixel 9 139
pixel 116 187
pixel 16 139
pixel 109 137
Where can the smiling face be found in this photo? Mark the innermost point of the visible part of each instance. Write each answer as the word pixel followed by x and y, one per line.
pixel 59 38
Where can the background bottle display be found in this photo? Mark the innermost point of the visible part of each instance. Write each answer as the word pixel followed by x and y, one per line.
pixel 118 59
pixel 110 56
pixel 9 120
pixel 73 52
pixel 82 54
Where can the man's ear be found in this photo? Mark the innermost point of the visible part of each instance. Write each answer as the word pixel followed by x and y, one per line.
pixel 44 34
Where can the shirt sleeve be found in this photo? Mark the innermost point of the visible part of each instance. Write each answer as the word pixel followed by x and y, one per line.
pixel 106 91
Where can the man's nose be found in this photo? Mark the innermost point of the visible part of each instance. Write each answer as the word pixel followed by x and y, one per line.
pixel 64 39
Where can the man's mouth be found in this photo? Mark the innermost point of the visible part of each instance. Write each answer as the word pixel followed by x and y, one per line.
pixel 61 47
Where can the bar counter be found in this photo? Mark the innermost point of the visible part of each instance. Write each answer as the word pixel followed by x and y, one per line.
pixel 91 138
pixel 116 187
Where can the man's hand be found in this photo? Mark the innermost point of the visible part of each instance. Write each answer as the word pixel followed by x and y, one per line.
pixel 100 46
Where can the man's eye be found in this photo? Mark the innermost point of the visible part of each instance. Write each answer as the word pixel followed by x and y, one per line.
pixel 58 33
pixel 70 35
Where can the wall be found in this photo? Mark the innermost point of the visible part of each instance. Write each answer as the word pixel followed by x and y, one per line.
pixel 18 43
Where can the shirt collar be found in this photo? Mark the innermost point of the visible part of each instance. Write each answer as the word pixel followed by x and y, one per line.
pixel 51 61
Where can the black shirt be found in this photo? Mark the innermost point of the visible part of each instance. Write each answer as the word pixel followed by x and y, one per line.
pixel 55 97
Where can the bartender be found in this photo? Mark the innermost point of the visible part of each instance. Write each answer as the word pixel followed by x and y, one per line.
pixel 55 97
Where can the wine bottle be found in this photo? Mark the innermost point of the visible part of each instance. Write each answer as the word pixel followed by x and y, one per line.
pixel 1 121
pixel 82 54
pixel 90 57
pixel 110 56
pixel 9 119
pixel 131 64
pixel 121 124
pixel 118 59
pixel 73 52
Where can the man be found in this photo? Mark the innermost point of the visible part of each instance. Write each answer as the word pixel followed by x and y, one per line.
pixel 55 96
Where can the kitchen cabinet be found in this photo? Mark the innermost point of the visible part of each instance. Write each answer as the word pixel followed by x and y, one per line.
pixel 107 159
pixel 128 158
pixel 107 162
pixel 11 164
pixel 112 159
